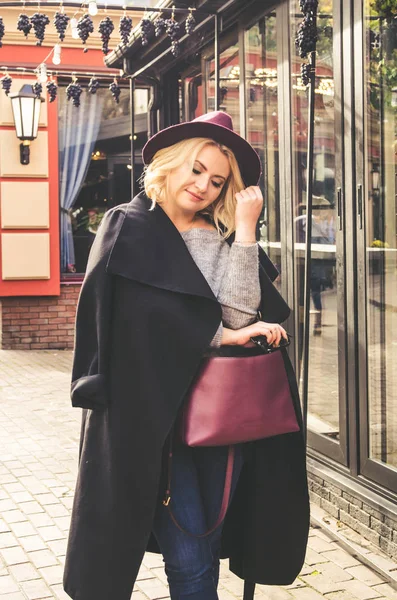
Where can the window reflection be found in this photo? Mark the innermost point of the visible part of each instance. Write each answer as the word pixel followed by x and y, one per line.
pixel 323 392
pixel 229 81
pixel 94 166
pixel 262 124
pixel 381 231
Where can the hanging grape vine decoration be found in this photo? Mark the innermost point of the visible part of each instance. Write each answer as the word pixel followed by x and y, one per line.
pixel 52 89
pixel 106 27
pixel 115 90
pixel 6 83
pixel 2 31
pixel 61 22
pixel 93 85
pixel 74 91
pixel 39 22
pixel 37 89
pixel 306 37
pixel 125 28
pixel 24 24
pixel 146 27
pixel 85 26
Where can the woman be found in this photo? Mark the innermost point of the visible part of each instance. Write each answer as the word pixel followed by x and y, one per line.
pixel 176 271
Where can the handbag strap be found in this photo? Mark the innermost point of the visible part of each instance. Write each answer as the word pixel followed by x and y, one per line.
pixel 225 498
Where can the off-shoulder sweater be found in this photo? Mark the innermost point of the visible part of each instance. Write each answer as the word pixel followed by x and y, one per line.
pixel 232 272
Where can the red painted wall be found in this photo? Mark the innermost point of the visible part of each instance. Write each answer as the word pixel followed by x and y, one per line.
pixel 72 59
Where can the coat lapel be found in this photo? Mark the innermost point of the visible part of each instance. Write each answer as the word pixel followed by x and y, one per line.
pixel 150 249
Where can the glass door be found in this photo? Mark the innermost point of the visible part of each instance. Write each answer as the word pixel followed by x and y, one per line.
pixel 327 351
pixel 377 245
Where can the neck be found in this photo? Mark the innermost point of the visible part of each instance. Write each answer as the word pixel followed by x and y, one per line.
pixel 180 219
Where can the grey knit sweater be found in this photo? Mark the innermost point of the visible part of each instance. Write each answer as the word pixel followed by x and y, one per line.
pixel 232 272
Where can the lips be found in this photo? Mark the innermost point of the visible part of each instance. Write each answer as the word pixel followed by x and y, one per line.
pixel 195 196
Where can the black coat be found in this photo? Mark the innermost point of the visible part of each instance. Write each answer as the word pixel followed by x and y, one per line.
pixel 145 316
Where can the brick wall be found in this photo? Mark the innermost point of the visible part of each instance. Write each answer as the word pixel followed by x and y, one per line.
pixel 370 522
pixel 37 323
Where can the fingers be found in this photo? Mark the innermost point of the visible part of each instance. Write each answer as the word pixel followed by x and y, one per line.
pixel 274 333
pixel 250 193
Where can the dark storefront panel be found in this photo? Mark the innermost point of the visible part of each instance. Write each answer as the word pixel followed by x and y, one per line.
pixel 377 247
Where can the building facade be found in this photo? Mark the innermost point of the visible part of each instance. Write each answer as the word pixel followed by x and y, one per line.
pixel 80 163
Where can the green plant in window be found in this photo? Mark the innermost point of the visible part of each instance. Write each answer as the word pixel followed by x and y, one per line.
pixel 385 9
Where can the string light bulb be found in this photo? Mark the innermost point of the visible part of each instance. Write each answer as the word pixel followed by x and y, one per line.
pixel 92 8
pixel 42 73
pixel 75 31
pixel 56 57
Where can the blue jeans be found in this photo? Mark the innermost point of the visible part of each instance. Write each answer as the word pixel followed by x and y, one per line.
pixel 197 482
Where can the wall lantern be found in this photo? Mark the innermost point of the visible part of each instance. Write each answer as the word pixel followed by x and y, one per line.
pixel 26 110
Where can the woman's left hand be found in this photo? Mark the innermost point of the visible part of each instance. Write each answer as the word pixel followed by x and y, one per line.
pixel 249 204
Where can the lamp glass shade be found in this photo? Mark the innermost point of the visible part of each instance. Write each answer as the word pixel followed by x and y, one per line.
pixel 37 104
pixel 27 116
pixel 16 109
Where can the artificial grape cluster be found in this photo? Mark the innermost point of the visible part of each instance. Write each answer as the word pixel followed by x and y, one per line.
pixel 125 27
pixel 190 24
pixel 146 27
pixel 2 31
pixel 37 89
pixel 306 37
pixel 159 26
pixel 308 6
pixel 106 27
pixel 85 26
pixel 173 32
pixel 305 73
pixel 93 85
pixel 24 24
pixel 6 82
pixel 115 91
pixel 61 22
pixel 52 90
pixel 74 91
pixel 39 22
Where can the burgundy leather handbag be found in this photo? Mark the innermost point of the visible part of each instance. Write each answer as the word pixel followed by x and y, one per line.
pixel 236 399
pixel 238 395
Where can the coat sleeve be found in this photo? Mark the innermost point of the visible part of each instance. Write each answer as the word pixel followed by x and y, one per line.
pixel 273 307
pixel 93 319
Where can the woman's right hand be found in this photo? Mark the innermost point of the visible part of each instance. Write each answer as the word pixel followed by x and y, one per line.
pixel 241 337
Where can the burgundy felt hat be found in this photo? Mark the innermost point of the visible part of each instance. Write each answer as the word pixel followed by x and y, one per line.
pixel 218 126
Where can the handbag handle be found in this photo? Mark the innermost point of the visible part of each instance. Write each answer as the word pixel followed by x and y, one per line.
pixel 225 498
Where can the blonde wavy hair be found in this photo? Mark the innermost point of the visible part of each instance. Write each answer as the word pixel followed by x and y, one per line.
pixel 155 178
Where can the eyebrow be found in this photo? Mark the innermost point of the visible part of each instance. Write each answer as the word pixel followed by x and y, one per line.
pixel 205 169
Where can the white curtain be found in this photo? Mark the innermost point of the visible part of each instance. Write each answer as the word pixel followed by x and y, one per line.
pixel 78 130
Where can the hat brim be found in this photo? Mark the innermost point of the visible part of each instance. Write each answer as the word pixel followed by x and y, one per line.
pixel 247 158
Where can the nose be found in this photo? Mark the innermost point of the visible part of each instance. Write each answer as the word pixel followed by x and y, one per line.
pixel 201 183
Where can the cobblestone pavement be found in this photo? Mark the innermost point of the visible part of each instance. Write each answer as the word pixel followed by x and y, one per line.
pixel 39 433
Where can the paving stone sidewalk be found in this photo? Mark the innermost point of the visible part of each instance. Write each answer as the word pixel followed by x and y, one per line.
pixel 39 432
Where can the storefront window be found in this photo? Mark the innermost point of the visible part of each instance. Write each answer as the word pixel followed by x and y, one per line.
pixel 262 124
pixel 94 166
pixel 381 231
pixel 323 390
pixel 229 82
